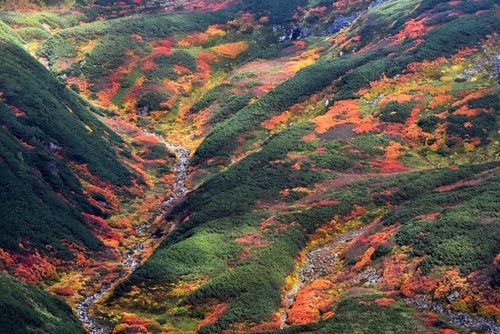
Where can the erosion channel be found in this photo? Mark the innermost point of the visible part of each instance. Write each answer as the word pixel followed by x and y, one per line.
pixel 132 257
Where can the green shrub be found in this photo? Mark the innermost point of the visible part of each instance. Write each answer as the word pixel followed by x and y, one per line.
pixel 29 310
pixel 395 112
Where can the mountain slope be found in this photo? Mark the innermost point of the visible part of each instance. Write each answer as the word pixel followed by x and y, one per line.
pixel 48 136
pixel 25 309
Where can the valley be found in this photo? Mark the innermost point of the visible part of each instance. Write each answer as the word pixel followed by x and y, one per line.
pixel 133 256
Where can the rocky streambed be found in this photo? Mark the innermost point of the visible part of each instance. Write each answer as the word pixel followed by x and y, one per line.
pixel 132 257
pixel 319 261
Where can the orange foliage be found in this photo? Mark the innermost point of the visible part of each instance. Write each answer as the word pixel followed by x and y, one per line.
pixel 63 291
pixel 462 54
pixel 440 101
pixel 384 301
pixel 199 38
pixel 107 94
pixel 300 44
pixel 310 302
pixel 230 50
pixel 365 125
pixel 343 112
pixel 163 47
pixel 394 150
pixel 305 59
pixel 395 272
pixel 430 216
pixel 418 285
pixel 206 5
pixel 245 22
pixel 399 98
pixel 266 223
pixel 365 259
pixel 466 111
pixel 274 121
pixel 451 281
pixel 413 29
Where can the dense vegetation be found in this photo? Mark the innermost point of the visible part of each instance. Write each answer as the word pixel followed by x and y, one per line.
pixel 357 140
pixel 41 133
pixel 28 310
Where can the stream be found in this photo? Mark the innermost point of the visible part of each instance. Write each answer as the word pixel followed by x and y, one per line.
pixel 132 257
pixel 318 263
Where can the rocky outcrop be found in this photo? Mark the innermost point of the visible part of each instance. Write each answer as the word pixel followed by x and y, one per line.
pixel 341 22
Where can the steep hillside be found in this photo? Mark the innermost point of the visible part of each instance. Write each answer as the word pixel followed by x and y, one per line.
pixel 45 136
pixel 344 174
pixel 25 310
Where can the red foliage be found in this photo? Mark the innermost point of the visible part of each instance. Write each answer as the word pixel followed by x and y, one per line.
pixel 388 165
pixel 163 47
pixel 214 314
pixel 448 331
pixel 33 268
pixel 18 112
pixel 101 226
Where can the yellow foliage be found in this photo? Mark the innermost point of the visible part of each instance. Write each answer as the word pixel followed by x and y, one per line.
pixel 230 50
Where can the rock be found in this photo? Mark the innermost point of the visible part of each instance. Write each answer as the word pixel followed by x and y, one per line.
pixel 452 296
pixel 376 3
pixel 293 33
pixel 53 147
pixel 341 22
pixel 496 65
pixel 52 167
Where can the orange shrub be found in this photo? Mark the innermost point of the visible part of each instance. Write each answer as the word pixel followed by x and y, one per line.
pixel 230 50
